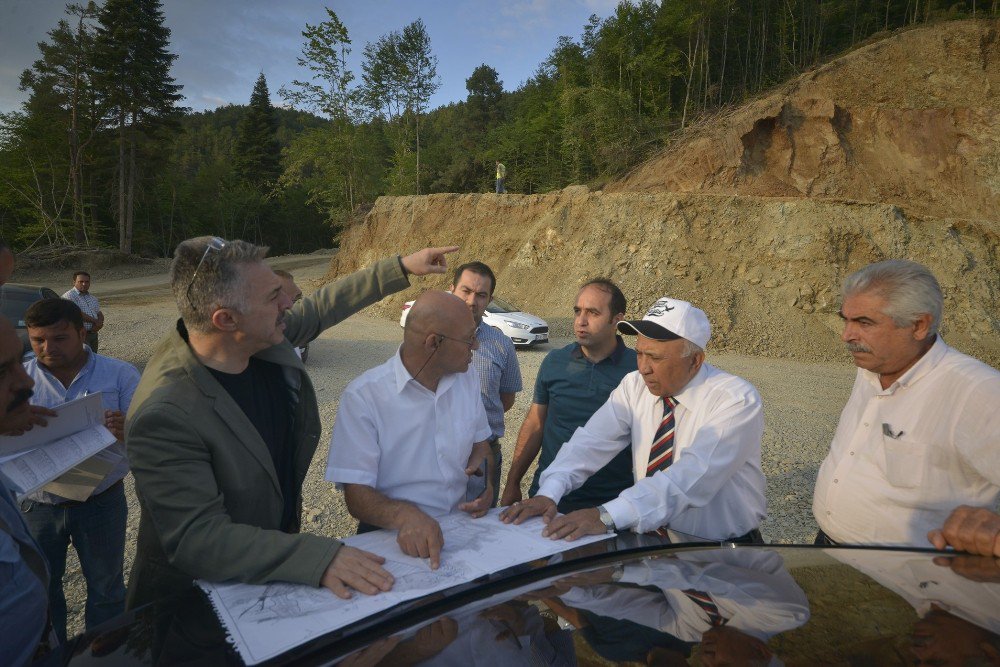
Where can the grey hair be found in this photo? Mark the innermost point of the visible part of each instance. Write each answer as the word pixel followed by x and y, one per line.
pixel 690 348
pixel 218 283
pixel 909 288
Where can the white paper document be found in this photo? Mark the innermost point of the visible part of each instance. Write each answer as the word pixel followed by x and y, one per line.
pixel 265 621
pixel 72 416
pixel 32 470
pixel 76 434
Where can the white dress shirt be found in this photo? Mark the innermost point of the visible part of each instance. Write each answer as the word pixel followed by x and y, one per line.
pixel 922 583
pixel 942 450
pixel 406 441
pixel 714 489
pixel 751 589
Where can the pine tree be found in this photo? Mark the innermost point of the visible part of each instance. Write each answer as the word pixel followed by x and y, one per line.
pixel 256 154
pixel 133 66
pixel 53 133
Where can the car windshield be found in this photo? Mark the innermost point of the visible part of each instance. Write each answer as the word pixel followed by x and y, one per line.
pixel 501 306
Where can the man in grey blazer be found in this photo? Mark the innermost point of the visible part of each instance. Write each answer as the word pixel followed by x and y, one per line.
pixel 224 425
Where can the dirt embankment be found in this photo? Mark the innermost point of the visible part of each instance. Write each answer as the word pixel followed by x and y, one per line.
pixel 891 151
pixel 767 271
pixel 911 120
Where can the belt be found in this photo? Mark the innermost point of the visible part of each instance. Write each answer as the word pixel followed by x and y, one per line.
pixel 77 503
pixel 751 537
pixel 823 540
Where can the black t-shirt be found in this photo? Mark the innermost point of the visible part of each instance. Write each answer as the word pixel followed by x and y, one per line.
pixel 264 396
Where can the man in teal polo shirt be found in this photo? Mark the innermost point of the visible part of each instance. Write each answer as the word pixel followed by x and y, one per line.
pixel 572 383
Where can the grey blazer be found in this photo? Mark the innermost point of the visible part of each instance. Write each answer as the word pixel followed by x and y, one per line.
pixel 208 491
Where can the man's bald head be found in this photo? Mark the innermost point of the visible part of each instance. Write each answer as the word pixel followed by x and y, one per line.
pixel 439 338
pixel 435 311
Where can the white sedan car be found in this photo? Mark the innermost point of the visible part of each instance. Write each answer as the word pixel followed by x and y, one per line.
pixel 522 328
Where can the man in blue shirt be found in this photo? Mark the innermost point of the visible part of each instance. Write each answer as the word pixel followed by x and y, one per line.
pixel 23 575
pixel 495 360
pixel 572 383
pixel 64 369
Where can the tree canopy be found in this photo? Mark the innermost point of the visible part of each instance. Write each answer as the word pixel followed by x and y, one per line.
pixel 101 153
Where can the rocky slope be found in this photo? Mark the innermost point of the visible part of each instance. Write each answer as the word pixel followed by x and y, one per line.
pixel 757 216
pixel 912 120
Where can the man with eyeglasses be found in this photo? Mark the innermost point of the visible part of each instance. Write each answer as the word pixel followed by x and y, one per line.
pixel 224 425
pixel 411 433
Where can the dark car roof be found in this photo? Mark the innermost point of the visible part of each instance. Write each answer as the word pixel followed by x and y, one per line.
pixel 16 298
pixel 633 599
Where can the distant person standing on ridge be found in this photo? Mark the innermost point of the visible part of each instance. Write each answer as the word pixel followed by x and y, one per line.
pixel 93 318
pixel 501 175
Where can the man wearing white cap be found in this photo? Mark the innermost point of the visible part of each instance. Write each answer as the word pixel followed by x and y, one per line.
pixel 695 435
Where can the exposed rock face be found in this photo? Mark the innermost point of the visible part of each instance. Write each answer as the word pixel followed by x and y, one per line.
pixel 912 120
pixel 766 270
pixel 891 151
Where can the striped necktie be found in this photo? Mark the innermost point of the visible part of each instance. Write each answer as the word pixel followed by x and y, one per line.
pixel 661 454
pixel 707 604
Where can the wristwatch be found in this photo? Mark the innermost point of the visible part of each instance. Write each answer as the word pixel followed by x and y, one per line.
pixel 609 523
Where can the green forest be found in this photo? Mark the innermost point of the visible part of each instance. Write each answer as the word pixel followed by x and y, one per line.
pixel 103 152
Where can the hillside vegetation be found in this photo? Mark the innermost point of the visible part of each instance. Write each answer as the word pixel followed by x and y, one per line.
pixel 102 152
pixel 759 215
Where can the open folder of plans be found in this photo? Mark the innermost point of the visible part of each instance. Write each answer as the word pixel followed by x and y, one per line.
pixel 264 621
pixel 68 457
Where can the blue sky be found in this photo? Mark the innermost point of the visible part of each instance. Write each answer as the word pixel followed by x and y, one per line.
pixel 223 44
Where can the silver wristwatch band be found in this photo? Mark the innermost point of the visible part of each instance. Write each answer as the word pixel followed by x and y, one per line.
pixel 609 523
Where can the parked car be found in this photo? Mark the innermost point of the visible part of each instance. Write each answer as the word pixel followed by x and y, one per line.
pixel 635 599
pixel 524 329
pixel 15 300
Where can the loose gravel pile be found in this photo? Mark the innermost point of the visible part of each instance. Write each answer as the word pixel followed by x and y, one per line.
pixel 802 403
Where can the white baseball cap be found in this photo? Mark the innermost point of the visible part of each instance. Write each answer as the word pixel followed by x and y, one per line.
pixel 670 319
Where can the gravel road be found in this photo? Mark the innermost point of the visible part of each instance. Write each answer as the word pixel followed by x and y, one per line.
pixel 802 402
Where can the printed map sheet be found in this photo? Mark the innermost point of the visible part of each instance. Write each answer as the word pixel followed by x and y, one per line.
pixel 265 621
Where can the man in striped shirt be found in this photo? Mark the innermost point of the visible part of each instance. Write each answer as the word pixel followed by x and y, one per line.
pixel 93 318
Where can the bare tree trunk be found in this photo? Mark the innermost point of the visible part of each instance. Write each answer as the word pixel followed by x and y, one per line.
pixel 130 211
pixel 725 51
pixel 416 129
pixel 692 55
pixel 121 182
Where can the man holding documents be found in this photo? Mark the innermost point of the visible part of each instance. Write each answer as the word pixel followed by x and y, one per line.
pixel 94 521
pixel 695 434
pixel 23 573
pixel 409 433
pixel 225 423
pixel 920 434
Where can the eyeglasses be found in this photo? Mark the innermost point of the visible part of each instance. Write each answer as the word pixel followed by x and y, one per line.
pixel 214 243
pixel 471 341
